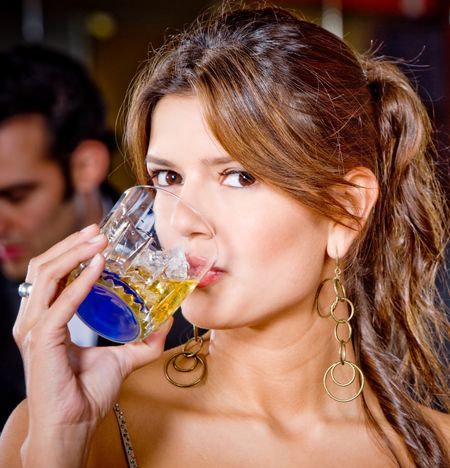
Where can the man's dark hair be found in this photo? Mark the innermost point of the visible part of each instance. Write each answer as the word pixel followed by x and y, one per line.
pixel 37 80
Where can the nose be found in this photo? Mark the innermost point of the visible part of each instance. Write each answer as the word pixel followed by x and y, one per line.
pixel 187 222
pixel 178 225
pixel 193 213
pixel 176 216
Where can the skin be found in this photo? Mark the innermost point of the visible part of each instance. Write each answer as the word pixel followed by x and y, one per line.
pixel 33 212
pixel 33 215
pixel 262 403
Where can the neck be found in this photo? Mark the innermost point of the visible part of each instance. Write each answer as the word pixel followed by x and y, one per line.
pixel 277 369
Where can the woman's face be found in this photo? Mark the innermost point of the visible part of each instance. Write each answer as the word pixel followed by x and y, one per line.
pixel 271 248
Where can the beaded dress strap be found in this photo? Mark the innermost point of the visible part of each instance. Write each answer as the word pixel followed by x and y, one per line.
pixel 126 442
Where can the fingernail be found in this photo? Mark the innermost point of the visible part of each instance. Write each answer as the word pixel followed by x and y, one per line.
pixel 97 238
pixel 88 228
pixel 95 261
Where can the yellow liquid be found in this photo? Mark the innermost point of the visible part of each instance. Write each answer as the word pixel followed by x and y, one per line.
pixel 151 300
pixel 162 296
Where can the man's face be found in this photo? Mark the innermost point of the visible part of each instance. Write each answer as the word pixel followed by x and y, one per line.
pixel 33 213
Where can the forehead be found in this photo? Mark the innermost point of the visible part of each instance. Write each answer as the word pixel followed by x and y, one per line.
pixel 178 125
pixel 24 141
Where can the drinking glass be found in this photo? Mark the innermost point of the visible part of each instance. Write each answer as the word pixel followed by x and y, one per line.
pixel 159 249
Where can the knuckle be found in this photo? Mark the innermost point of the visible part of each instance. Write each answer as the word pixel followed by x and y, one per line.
pixel 18 333
pixel 45 270
pixel 40 271
pixel 33 265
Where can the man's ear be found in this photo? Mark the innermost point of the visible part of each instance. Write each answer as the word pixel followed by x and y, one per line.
pixel 359 200
pixel 89 166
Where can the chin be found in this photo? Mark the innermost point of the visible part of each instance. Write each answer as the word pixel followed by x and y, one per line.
pixel 14 271
pixel 208 319
pixel 198 316
pixel 209 308
pixel 197 319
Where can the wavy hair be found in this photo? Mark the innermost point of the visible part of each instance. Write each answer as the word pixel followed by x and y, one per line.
pixel 298 108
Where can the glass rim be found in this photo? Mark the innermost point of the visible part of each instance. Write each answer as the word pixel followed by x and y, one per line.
pixel 195 210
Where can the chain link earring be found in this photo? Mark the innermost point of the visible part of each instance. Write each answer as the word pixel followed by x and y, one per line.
pixel 340 297
pixel 187 360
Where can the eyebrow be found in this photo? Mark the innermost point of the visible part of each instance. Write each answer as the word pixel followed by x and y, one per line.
pixel 23 187
pixel 206 161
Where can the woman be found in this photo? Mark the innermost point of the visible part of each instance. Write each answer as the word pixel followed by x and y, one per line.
pixel 314 166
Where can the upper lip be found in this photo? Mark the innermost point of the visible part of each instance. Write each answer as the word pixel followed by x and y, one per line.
pixel 195 262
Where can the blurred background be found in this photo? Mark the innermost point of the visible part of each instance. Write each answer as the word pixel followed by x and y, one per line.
pixel 113 37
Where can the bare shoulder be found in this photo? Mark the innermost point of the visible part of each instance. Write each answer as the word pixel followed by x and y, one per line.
pixel 13 436
pixel 138 394
pixel 106 445
pixel 150 387
pixel 149 405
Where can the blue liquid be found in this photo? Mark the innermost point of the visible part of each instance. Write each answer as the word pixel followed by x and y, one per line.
pixel 107 314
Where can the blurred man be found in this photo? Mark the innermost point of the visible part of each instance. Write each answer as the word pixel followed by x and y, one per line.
pixel 54 158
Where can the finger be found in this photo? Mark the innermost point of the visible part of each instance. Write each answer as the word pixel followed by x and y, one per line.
pixel 47 283
pixel 63 246
pixel 62 310
pixel 38 268
pixel 73 295
pixel 134 355
pixel 49 275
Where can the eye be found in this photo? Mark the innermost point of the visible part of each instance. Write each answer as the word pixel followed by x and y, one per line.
pixel 237 179
pixel 164 178
pixel 19 195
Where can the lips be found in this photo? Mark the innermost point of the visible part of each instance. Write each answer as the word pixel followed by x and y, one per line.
pixel 212 276
pixel 197 266
pixel 11 252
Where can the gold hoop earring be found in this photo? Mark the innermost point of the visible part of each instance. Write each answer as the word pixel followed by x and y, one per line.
pixel 340 296
pixel 187 360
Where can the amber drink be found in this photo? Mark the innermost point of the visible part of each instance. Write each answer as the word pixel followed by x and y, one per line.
pixel 149 270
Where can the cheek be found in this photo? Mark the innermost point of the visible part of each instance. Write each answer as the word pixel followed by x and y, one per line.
pixel 273 252
pixel 270 269
pixel 274 235
pixel 278 255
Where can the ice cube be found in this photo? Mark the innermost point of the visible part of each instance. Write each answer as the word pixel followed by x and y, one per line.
pixel 170 263
pixel 155 262
pixel 177 265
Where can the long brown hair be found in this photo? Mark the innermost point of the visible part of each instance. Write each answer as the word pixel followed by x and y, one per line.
pixel 298 108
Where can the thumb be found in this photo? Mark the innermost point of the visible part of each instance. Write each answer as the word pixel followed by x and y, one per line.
pixel 131 356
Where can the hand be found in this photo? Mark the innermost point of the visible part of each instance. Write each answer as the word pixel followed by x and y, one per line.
pixel 70 389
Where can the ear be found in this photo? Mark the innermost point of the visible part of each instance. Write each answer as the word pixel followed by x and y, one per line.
pixel 359 200
pixel 89 166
